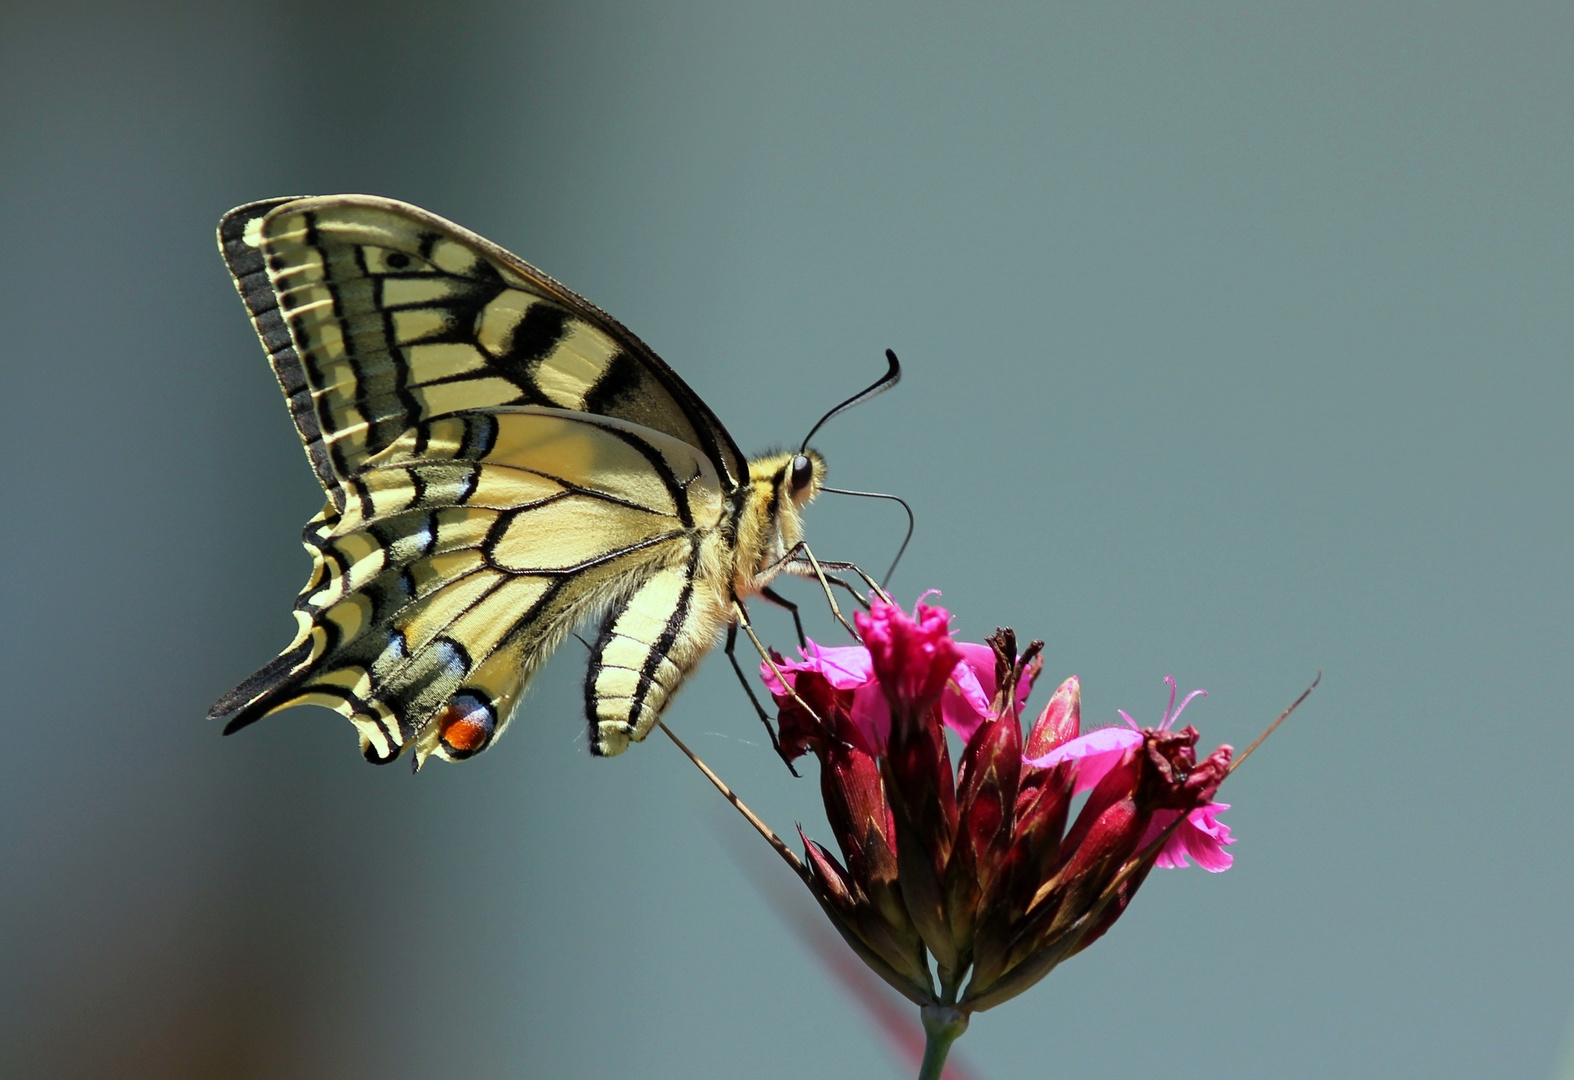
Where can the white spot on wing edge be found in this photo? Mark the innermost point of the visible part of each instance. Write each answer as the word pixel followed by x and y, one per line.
pixel 251 235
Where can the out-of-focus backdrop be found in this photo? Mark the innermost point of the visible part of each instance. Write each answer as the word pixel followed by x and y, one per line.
pixel 1237 347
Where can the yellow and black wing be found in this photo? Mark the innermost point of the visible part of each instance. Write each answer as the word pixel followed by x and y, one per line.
pixel 377 315
pixel 501 459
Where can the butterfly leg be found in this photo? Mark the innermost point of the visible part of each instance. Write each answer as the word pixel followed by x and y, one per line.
pixel 819 575
pixel 748 688
pixel 800 562
pixel 781 601
pixel 741 618
pixel 840 584
pixel 874 586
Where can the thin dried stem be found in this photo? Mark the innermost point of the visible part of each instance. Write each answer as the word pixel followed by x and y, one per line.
pixel 1236 764
pixel 750 816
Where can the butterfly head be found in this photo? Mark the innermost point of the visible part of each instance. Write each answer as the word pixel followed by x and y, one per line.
pixel 780 485
pixel 788 478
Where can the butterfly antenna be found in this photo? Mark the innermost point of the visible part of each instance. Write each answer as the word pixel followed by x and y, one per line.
pixel 896 499
pixel 892 376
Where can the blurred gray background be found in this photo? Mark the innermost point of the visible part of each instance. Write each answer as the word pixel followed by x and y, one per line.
pixel 1237 346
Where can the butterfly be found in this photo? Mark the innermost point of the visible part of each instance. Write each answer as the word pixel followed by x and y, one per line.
pixel 503 462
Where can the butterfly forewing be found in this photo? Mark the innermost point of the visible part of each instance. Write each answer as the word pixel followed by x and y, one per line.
pixel 378 315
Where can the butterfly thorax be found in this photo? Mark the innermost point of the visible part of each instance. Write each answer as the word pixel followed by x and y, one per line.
pixel 770 518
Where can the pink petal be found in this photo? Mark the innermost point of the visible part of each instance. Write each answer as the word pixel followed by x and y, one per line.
pixel 1202 836
pixel 965 703
pixel 1096 753
pixel 872 715
pixel 845 668
pixel 975 674
pixel 971 690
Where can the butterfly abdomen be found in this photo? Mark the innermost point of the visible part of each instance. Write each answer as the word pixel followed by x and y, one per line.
pixel 650 643
pixel 648 646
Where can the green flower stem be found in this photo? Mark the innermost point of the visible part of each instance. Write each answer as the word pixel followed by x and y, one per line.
pixel 943 1025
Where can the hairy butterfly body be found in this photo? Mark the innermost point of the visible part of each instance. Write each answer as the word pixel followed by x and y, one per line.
pixel 503 462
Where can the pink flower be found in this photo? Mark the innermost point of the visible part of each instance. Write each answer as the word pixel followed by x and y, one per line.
pixel 1201 836
pixel 964 702
pixel 976 867
pixel 847 670
pixel 913 656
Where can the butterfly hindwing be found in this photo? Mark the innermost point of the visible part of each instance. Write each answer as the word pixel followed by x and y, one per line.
pixel 469 548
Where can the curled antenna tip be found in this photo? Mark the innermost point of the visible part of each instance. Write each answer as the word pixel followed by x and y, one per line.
pixel 892 376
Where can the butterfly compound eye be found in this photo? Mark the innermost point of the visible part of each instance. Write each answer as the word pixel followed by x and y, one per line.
pixel 802 472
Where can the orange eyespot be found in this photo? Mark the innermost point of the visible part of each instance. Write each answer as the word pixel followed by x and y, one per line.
pixel 466 725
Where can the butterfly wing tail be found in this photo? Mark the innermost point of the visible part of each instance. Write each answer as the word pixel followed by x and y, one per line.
pixel 289 680
pixel 259 695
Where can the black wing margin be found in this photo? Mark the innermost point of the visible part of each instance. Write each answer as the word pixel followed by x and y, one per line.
pixel 245 262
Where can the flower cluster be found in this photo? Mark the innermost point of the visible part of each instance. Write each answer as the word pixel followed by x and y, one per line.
pixel 976 868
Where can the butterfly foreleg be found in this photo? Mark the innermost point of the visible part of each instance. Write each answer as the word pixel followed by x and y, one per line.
pixel 748 688
pixel 792 565
pixel 806 569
